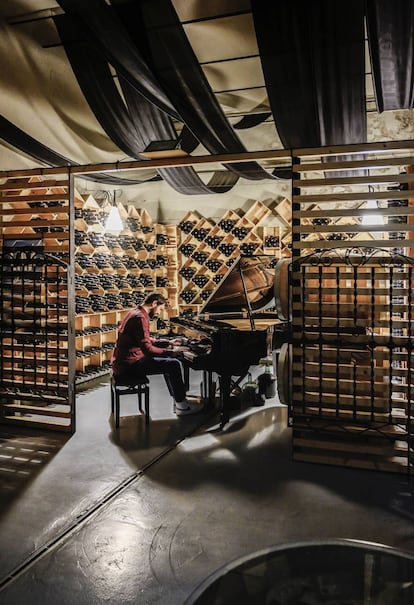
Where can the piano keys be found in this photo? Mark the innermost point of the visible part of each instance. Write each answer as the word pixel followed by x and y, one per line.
pixel 235 328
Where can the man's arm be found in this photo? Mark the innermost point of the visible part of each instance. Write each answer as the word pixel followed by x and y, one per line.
pixel 140 327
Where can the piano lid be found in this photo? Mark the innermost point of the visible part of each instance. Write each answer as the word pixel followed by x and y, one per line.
pixel 232 295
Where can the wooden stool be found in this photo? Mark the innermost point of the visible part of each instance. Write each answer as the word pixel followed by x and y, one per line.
pixel 129 386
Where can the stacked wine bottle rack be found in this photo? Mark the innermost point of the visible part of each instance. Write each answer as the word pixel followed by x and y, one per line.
pixel 207 249
pixel 35 366
pixel 348 368
pixel 113 273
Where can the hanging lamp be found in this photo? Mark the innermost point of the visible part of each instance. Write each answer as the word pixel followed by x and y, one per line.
pixel 114 221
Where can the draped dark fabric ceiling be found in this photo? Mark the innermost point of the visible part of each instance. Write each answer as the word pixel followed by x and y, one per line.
pixel 252 120
pixel 157 32
pixel 119 49
pixel 390 27
pixel 23 141
pixel 154 32
pixel 313 67
pixel 134 125
pixel 312 55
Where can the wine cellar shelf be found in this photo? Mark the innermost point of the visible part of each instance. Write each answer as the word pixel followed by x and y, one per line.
pixel 113 273
pixel 110 273
pixel 37 376
pixel 207 249
pixel 348 370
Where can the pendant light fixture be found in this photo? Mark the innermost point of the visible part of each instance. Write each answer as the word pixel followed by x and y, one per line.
pixel 114 221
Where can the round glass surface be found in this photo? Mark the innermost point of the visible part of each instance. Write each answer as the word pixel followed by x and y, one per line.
pixel 343 572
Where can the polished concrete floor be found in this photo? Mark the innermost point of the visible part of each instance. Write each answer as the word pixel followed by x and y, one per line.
pixel 143 516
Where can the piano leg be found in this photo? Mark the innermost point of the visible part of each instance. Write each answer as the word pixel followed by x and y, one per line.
pixel 225 389
pixel 208 387
pixel 211 388
pixel 205 394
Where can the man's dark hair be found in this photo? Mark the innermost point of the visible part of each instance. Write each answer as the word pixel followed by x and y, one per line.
pixel 154 296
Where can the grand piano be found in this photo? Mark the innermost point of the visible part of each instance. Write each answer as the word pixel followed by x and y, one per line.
pixel 237 326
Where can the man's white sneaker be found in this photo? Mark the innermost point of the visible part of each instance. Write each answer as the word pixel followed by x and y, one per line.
pixel 183 408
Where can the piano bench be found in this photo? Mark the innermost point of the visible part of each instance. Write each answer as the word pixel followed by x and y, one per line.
pixel 129 386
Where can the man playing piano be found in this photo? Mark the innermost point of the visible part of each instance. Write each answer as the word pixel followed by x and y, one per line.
pixel 136 353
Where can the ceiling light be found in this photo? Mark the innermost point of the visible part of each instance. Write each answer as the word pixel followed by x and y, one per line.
pixel 114 221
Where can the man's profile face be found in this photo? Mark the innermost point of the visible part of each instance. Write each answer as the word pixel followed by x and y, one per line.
pixel 155 309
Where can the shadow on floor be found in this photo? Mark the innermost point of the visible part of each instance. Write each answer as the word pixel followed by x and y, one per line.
pixel 252 455
pixel 24 453
pixel 134 437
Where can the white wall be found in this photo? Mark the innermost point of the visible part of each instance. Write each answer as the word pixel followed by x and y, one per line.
pixel 165 205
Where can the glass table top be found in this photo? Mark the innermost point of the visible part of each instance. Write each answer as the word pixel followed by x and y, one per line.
pixel 341 572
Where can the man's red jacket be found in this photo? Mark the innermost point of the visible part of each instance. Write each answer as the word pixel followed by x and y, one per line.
pixel 134 341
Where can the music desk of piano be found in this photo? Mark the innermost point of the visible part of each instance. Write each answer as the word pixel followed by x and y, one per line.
pixel 236 327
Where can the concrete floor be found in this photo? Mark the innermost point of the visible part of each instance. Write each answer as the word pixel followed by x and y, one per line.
pixel 140 516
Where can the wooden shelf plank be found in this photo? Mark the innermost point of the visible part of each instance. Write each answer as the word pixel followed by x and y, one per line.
pixel 49 211
pixel 40 197
pixel 16 184
pixel 321 198
pixel 32 409
pixel 41 424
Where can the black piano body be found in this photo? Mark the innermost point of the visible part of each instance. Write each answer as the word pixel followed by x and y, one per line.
pixel 236 326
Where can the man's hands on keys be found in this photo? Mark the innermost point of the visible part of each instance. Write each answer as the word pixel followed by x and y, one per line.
pixel 180 349
pixel 176 346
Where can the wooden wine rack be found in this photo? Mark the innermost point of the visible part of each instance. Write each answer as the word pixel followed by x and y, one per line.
pixel 113 274
pixel 207 249
pixel 348 371
pixel 35 365
pixel 96 329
